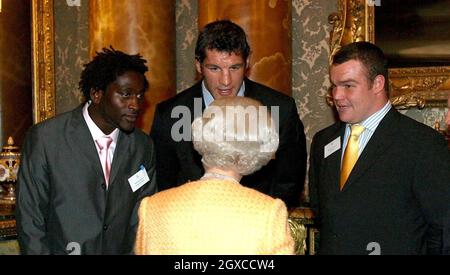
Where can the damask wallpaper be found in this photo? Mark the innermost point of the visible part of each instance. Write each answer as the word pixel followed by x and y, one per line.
pixel 71 52
pixel 310 65
pixel 186 32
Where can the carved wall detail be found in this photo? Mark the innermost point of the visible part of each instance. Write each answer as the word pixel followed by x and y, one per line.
pixel 43 60
pixel 336 35
pixel 357 20
pixel 426 86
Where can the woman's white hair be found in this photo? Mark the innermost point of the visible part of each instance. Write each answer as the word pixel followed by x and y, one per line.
pixel 235 133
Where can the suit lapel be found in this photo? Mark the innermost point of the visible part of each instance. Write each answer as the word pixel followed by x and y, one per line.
pixel 250 90
pixel 78 133
pixel 332 164
pixel 196 94
pixel 187 147
pixel 380 141
pixel 122 149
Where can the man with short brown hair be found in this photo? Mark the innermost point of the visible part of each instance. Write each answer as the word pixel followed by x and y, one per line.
pixel 380 181
pixel 222 59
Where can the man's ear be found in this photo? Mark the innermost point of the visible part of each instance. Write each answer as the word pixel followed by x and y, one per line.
pixel 198 66
pixel 247 69
pixel 96 95
pixel 378 84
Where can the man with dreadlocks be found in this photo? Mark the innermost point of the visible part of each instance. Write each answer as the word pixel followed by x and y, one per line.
pixel 84 172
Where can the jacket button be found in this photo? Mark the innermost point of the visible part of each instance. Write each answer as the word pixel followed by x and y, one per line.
pixel 104 186
pixel 105 227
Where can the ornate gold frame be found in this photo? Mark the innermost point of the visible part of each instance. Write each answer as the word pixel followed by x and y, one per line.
pixel 409 87
pixel 42 38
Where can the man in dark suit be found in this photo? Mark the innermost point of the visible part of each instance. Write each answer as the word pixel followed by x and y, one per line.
pixel 222 58
pixel 394 199
pixel 75 194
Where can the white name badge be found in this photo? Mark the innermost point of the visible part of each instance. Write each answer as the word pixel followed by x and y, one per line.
pixel 332 147
pixel 139 179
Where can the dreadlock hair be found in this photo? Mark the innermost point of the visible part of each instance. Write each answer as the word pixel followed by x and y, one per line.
pixel 106 67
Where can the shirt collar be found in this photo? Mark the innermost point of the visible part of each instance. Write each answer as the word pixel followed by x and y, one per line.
pixel 371 123
pixel 93 128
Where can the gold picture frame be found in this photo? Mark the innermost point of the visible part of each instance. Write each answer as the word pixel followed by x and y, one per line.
pixel 42 39
pixel 409 87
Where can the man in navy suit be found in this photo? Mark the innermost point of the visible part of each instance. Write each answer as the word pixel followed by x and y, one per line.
pixel 395 199
pixel 222 58
pixel 76 195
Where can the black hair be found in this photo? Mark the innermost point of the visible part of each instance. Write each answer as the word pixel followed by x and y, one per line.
pixel 223 36
pixel 371 56
pixel 106 66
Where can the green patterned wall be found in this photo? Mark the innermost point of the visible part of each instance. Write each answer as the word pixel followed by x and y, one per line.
pixel 71 52
pixel 187 31
pixel 310 65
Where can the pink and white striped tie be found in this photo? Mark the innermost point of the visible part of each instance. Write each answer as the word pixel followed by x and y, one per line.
pixel 104 143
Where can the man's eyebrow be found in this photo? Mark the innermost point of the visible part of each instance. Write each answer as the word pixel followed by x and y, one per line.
pixel 345 81
pixel 231 66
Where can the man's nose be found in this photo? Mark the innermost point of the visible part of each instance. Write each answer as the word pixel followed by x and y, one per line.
pixel 134 103
pixel 225 78
pixel 337 93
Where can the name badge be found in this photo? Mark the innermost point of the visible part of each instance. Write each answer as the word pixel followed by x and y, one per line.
pixel 139 179
pixel 332 147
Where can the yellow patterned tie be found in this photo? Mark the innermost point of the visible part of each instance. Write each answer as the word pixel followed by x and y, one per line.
pixel 351 153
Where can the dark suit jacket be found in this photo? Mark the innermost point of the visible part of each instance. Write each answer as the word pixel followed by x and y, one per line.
pixel 177 162
pixel 397 194
pixel 62 196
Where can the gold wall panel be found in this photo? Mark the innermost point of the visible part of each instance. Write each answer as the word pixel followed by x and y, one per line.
pixel 137 26
pixel 43 40
pixel 269 29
